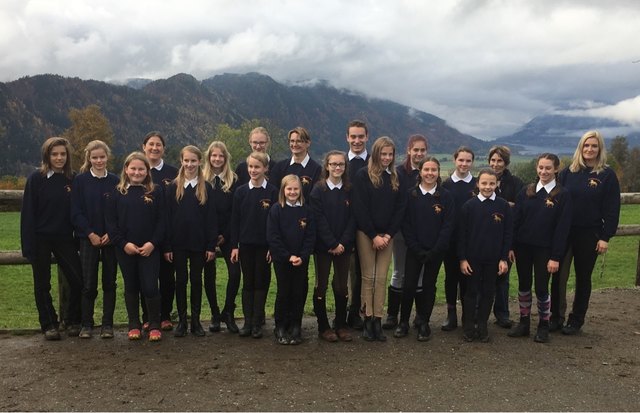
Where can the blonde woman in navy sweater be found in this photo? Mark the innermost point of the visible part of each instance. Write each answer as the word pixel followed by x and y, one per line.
pixel 427 228
pixel 541 226
pixel 45 228
pixel 484 239
pixel 291 235
pixel 163 174
pixel 462 185
pixel 136 226
pixel 218 172
pixel 91 189
pixel 192 234
pixel 335 233
pixel 379 207
pixel 251 204
pixel 595 195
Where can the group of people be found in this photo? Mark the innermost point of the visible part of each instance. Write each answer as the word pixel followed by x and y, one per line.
pixel 355 211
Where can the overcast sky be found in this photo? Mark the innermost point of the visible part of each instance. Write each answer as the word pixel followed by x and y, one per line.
pixel 484 66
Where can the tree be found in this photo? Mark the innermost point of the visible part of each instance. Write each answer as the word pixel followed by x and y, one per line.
pixel 87 124
pixel 632 173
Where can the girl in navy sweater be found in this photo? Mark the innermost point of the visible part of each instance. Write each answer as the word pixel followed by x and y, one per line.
pixel 462 186
pixel 217 171
pixel 45 228
pixel 541 226
pixel 595 195
pixel 251 203
pixel 379 208
pixel 484 239
pixel 163 174
pixel 409 176
pixel 260 141
pixel 191 235
pixel 136 226
pixel 427 227
pixel 291 236
pixel 90 191
pixel 300 163
pixel 335 232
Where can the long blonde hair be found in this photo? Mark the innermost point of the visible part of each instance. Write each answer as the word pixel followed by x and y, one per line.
pixel 47 147
pixel 578 162
pixel 201 187
pixel 375 168
pixel 92 146
pixel 124 179
pixel 288 179
pixel 228 176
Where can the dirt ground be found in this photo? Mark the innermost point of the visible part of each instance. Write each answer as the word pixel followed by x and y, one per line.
pixel 596 370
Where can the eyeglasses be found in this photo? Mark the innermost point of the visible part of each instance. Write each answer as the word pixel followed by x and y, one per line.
pixel 297 141
pixel 334 165
pixel 257 143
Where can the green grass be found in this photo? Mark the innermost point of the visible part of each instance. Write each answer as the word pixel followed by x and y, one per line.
pixel 17 307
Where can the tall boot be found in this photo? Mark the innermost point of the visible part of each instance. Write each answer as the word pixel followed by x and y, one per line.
pixel 181 306
pixel 247 309
pixel 259 301
pixel 341 311
pixel 196 326
pixel 522 329
pixel 377 329
pixel 153 309
pixel 395 299
pixel 320 310
pixel 420 308
pixel 451 323
pixel 133 309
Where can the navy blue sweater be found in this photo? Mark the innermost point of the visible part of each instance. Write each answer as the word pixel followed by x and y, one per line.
pixel 355 165
pixel 164 177
pixel 46 210
pixel 291 231
pixel 308 175
pixel 595 199
pixel 461 192
pixel 136 217
pixel 190 226
pixel 335 222
pixel 88 200
pixel 543 221
pixel 408 180
pixel 224 202
pixel 243 172
pixel 377 210
pixel 509 186
pixel 485 230
pixel 249 214
pixel 428 220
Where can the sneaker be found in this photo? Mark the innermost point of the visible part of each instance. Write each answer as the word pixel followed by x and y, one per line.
pixel 85 332
pixel 134 334
pixel 52 334
pixel 73 330
pixel 165 325
pixel 155 335
pixel 145 326
pixel 106 332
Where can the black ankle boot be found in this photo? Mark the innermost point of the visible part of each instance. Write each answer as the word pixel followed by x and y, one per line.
pixel 402 330
pixel 542 334
pixel 296 334
pixel 377 329
pixel 196 326
pixel 229 320
pixel 181 328
pixel 451 323
pixel 521 329
pixel 247 309
pixel 367 329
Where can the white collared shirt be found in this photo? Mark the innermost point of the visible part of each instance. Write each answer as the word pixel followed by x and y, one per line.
pixel 362 155
pixel 387 170
pixel 193 182
pixel 50 173
pixel 548 187
pixel 482 198
pixel 262 185
pixel 98 176
pixel 455 178
pixel 159 166
pixel 297 204
pixel 304 162
pixel 331 186
pixel 430 191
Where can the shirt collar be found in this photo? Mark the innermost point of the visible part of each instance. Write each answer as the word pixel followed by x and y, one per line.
pixel 297 204
pixel 98 176
pixel 331 185
pixel 387 170
pixel 262 185
pixel 304 162
pixel 159 166
pixel 548 187
pixel 50 174
pixel 424 191
pixel 482 198
pixel 193 182
pixel 455 178
pixel 362 155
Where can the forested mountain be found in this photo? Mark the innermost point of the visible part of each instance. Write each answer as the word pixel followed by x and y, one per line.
pixel 187 111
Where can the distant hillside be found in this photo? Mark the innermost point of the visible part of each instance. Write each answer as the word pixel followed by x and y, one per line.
pixel 561 133
pixel 188 110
